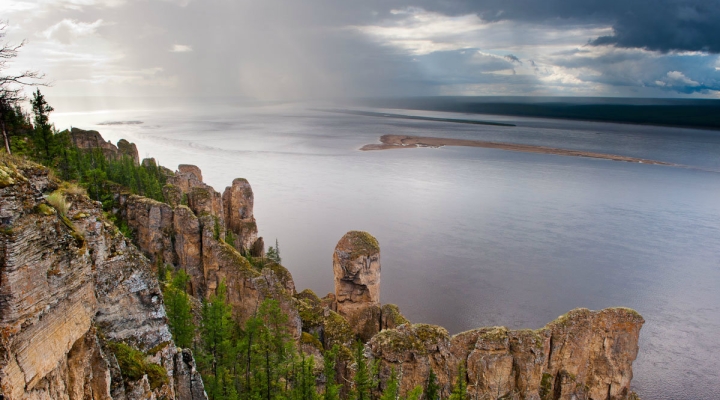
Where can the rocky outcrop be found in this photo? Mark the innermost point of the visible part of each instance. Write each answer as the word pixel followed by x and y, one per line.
pixel 583 354
pixel 71 286
pixel 83 139
pixel 207 238
pixel 238 206
pixel 356 265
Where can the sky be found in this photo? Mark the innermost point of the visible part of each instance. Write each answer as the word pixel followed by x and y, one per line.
pixel 319 49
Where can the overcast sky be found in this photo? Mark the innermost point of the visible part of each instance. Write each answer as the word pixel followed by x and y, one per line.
pixel 289 49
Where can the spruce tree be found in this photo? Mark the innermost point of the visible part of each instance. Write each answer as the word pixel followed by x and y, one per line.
pixel 363 379
pixel 392 388
pixel 432 389
pixel 177 307
pixel 43 129
pixel 414 394
pixel 459 391
pixel 218 351
pixel 332 388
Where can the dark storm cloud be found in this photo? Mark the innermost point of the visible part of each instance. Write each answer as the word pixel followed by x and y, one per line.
pixel 285 49
pixel 661 25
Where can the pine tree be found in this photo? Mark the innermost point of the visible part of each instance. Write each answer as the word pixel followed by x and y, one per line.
pixel 274 349
pixel 43 130
pixel 332 388
pixel 304 379
pixel 459 391
pixel 177 307
pixel 363 379
pixel 392 388
pixel 432 389
pixel 414 394
pixel 217 351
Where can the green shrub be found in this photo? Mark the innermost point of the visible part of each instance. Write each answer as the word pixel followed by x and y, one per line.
pixel 133 365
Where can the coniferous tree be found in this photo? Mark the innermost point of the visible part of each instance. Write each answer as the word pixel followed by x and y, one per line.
pixel 392 388
pixel 274 349
pixel 363 380
pixel 217 353
pixel 43 129
pixel 459 391
pixel 432 389
pixel 332 388
pixel 414 394
pixel 304 379
pixel 177 307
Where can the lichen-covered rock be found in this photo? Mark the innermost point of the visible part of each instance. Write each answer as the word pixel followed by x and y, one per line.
pixel 583 354
pixel 356 265
pixel 238 203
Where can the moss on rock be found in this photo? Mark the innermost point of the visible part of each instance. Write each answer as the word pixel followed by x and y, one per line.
pixel 359 243
pixel 44 209
pixel 337 330
pixel 133 365
pixel 307 338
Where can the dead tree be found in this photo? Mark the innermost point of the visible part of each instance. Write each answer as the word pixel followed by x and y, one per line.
pixel 11 85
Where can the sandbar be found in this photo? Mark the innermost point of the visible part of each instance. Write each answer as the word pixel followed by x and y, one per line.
pixel 408 142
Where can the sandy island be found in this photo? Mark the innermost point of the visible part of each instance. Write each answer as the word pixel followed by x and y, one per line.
pixel 408 142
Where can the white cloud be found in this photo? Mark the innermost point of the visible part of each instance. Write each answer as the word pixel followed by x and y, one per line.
pixel 678 77
pixel 68 30
pixel 180 48
pixel 422 32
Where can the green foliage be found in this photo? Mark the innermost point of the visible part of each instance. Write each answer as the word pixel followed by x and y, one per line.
pixel 363 377
pixel 303 379
pixel 332 388
pixel 414 394
pixel 43 135
pixel 459 391
pixel 177 307
pixel 133 365
pixel 432 388
pixel 392 387
pixel 216 228
pixel 273 253
pixel 230 238
pixel 217 351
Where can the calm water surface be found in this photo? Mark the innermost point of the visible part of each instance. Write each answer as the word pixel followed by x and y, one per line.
pixel 474 237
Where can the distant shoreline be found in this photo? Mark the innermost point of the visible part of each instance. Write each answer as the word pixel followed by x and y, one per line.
pixel 416 117
pixel 409 142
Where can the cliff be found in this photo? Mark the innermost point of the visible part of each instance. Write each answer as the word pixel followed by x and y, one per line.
pixel 79 302
pixel 211 237
pixel 76 298
pixel 83 139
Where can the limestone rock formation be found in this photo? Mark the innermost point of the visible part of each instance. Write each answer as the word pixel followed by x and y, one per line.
pixel 193 237
pixel 356 264
pixel 238 205
pixel 583 354
pixel 93 140
pixel 70 287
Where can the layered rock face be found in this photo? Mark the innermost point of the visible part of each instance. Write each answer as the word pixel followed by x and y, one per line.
pixel 205 238
pixel 70 287
pixel 93 140
pixel 581 355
